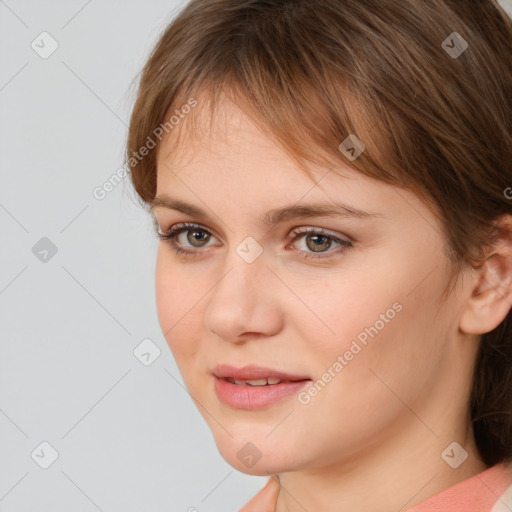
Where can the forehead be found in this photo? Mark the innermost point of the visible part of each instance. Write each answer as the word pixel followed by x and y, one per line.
pixel 228 163
pixel 227 132
pixel 229 144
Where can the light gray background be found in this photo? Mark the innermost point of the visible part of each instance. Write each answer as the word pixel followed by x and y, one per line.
pixel 128 436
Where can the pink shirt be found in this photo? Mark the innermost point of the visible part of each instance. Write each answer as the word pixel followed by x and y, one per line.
pixel 489 491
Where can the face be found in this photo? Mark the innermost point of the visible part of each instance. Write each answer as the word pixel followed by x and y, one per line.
pixel 347 302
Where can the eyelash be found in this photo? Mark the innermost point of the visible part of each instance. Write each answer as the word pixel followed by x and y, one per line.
pixel 172 233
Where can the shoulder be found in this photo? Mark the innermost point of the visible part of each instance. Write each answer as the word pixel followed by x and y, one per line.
pixel 504 478
pixel 265 499
pixel 488 491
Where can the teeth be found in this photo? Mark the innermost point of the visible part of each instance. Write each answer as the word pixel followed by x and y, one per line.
pixel 254 382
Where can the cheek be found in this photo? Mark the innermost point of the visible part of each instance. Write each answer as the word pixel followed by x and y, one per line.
pixel 177 306
pixel 166 293
pixel 355 306
pixel 375 320
pixel 392 348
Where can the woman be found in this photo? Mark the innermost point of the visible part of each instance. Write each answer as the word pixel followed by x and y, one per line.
pixel 331 183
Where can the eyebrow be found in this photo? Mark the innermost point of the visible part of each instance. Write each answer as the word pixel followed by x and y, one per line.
pixel 275 216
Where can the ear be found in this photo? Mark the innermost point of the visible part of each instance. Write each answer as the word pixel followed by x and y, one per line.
pixel 491 298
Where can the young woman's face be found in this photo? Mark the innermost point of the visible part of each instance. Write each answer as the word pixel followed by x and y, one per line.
pixel 356 310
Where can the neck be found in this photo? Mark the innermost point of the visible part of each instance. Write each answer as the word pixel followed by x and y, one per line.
pixel 395 476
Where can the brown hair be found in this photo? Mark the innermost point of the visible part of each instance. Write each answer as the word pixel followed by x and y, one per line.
pixel 435 118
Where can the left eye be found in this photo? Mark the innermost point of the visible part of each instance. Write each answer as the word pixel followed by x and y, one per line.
pixel 315 240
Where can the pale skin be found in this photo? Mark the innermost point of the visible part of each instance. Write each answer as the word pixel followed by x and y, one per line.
pixel 383 422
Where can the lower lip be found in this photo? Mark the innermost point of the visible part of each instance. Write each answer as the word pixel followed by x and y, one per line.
pixel 255 397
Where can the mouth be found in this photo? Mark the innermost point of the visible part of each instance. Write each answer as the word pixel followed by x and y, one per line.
pixel 254 375
pixel 253 387
pixel 269 381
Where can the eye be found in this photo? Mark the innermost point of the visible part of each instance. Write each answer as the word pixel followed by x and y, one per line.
pixel 315 241
pixel 195 235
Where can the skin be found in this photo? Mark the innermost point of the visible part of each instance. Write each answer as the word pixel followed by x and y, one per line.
pixel 384 420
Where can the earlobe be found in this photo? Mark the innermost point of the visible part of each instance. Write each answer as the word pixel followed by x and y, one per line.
pixel 491 296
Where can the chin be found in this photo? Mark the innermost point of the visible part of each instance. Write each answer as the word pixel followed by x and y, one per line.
pixel 259 469
pixel 254 458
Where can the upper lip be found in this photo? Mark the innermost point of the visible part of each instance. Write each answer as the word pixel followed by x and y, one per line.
pixel 250 372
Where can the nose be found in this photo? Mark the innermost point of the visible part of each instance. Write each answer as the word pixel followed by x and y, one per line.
pixel 243 304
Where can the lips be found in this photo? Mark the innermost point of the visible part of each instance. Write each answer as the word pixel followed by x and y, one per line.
pixel 255 387
pixel 255 373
